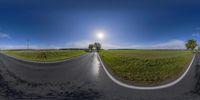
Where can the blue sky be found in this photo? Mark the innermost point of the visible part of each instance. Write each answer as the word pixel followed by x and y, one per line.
pixel 73 23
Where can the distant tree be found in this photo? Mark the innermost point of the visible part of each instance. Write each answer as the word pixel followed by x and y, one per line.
pixel 97 46
pixel 191 44
pixel 90 46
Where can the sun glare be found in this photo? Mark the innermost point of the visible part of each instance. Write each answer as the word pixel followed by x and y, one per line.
pixel 100 35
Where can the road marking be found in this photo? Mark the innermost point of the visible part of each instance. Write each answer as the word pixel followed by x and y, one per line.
pixel 146 88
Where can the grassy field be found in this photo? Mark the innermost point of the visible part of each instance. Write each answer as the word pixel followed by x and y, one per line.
pixel 45 56
pixel 146 66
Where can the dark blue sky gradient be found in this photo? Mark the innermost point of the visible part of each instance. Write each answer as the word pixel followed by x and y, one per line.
pixel 59 23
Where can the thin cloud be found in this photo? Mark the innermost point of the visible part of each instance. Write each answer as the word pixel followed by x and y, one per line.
pixel 172 44
pixel 4 35
pixel 79 44
pixel 196 34
pixel 4 47
pixel 197 28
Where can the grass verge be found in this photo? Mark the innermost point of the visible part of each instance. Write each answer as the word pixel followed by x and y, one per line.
pixel 146 66
pixel 45 56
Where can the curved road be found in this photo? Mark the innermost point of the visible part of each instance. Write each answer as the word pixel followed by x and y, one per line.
pixel 83 78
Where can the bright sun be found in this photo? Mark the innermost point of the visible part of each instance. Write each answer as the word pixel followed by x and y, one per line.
pixel 100 35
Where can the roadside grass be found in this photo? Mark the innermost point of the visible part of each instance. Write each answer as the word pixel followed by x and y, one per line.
pixel 44 55
pixel 146 66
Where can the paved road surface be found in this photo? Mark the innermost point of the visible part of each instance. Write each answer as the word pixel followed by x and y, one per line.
pixel 83 78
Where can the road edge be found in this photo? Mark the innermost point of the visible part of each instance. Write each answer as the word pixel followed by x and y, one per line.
pixel 146 88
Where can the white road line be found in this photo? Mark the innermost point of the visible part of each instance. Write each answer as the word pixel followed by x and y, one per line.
pixel 146 88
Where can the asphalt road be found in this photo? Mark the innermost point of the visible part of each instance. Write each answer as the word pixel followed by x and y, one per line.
pixel 83 78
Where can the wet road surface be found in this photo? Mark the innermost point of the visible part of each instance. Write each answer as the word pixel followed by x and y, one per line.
pixel 83 78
